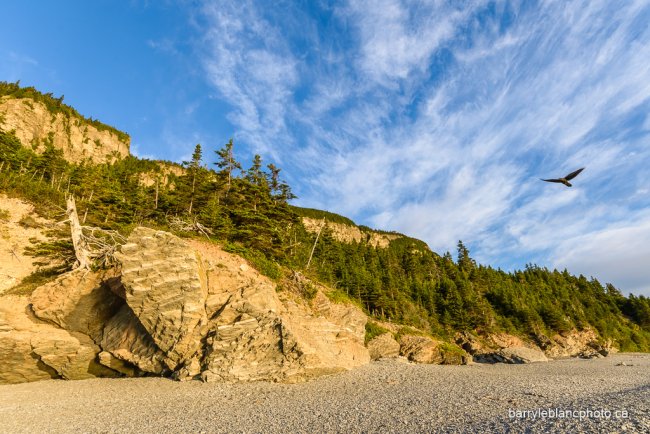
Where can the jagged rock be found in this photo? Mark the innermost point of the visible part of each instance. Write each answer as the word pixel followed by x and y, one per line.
pixel 584 343
pixel 32 350
pixel 254 335
pixel 166 289
pixel 179 308
pixel 77 301
pixel 520 355
pixel 127 340
pixel 422 349
pixel 383 345
pixel 469 342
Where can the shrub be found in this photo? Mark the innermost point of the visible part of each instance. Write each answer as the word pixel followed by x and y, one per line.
pixel 373 330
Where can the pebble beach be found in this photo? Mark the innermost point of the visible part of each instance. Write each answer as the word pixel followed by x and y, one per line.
pixel 599 395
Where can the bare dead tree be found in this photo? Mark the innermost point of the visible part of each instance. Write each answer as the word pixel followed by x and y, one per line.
pixel 322 225
pixel 81 249
pixel 181 225
pixel 92 246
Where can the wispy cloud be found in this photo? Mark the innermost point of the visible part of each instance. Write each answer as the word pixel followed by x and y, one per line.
pixel 252 68
pixel 437 120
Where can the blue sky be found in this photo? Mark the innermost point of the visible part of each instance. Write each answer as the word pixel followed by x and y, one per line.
pixel 432 118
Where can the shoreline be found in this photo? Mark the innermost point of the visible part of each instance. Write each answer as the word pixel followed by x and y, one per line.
pixel 383 396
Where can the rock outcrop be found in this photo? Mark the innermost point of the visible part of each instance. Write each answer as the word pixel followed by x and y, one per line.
pixel 350 234
pixel 79 140
pixel 423 349
pixel 575 343
pixel 383 346
pixel 166 289
pixel 32 350
pixel 179 308
pixel 257 333
pixel 518 355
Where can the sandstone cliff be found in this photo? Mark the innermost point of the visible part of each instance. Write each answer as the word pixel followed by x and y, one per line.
pixel 35 125
pixel 180 308
pixel 18 225
pixel 349 234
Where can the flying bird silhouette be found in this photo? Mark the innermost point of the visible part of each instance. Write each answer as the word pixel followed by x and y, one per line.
pixel 566 179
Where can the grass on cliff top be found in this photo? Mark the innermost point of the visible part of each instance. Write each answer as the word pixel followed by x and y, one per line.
pixel 318 214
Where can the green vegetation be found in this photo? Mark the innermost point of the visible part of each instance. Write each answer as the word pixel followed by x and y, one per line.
pixel 247 211
pixel 54 106
pixel 373 330
pixel 318 214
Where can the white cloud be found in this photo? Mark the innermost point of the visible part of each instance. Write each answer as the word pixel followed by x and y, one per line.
pixel 617 254
pixel 248 63
pixel 438 120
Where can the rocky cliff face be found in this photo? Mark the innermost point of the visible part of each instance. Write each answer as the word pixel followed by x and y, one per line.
pixel 34 125
pixel 350 234
pixel 181 308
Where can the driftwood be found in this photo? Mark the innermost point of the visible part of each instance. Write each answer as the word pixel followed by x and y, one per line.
pixel 178 224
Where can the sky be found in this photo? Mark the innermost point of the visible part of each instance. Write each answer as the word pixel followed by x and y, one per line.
pixel 435 118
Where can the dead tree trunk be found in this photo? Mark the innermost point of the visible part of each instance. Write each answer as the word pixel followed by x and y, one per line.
pixel 322 225
pixel 81 249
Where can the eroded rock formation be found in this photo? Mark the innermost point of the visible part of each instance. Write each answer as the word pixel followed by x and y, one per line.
pixel 181 308
pixel 79 140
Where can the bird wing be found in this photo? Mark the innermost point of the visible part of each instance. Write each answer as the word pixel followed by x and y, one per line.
pixel 573 174
pixel 552 180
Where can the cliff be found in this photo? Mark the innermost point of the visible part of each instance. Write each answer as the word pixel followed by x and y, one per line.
pixel 177 308
pixel 346 233
pixel 36 125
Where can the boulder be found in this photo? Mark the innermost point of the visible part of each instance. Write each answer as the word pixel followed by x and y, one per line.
pixel 519 355
pixel 423 349
pixel 382 346
pixel 165 287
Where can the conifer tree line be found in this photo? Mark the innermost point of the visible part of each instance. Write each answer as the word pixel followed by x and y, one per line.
pixel 247 211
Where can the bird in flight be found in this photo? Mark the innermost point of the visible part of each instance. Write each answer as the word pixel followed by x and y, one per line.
pixel 566 179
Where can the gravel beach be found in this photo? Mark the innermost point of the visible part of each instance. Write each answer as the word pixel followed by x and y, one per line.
pixel 600 395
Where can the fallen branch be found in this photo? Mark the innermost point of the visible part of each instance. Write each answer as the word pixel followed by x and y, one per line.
pixel 178 224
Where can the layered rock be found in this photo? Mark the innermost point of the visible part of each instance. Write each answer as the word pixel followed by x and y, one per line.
pixel 383 346
pixel 256 334
pixel 517 355
pixel 166 289
pixel 127 340
pixel 423 349
pixel 33 350
pixel 585 343
pixel 79 140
